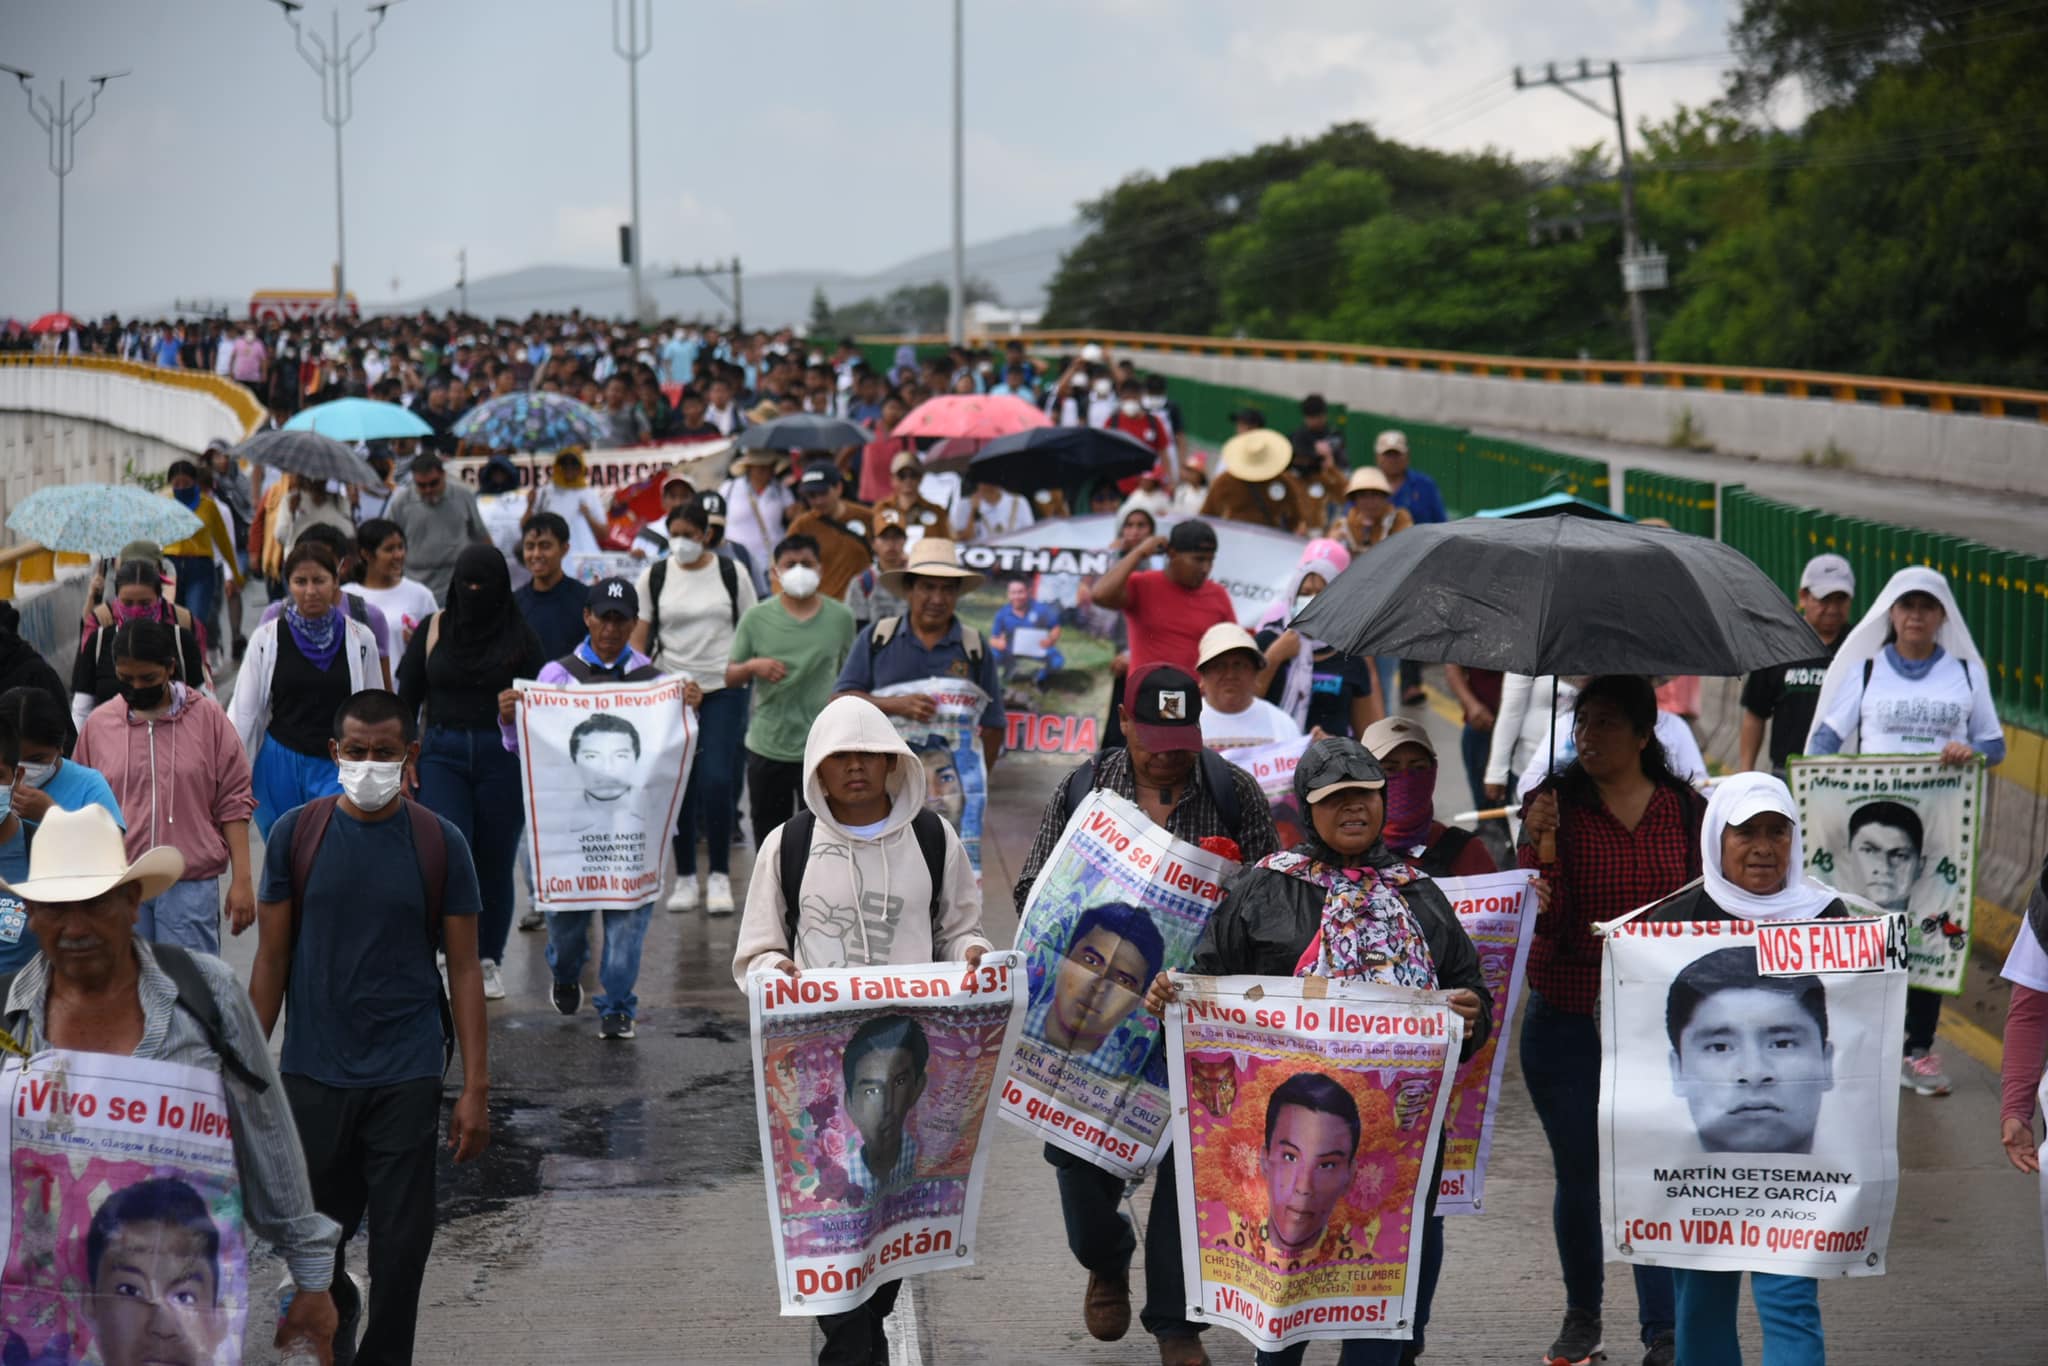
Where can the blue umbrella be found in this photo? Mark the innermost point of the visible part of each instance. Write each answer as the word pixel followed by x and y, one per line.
pixel 98 519
pixel 359 419
pixel 531 422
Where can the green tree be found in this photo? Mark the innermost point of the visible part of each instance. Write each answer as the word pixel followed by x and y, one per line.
pixel 821 314
pixel 907 308
pixel 1273 273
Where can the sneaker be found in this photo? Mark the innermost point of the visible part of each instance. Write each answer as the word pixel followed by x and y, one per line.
pixel 718 895
pixel 617 1025
pixel 1106 1308
pixel 494 984
pixel 533 920
pixel 684 896
pixel 1577 1342
pixel 1663 1350
pixel 1921 1073
pixel 567 996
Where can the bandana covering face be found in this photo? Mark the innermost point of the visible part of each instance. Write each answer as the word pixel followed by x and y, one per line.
pixel 1411 804
pixel 1367 931
pixel 318 638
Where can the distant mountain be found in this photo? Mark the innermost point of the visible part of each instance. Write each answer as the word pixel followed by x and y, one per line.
pixel 1020 266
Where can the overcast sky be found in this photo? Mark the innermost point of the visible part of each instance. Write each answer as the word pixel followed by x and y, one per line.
pixel 799 133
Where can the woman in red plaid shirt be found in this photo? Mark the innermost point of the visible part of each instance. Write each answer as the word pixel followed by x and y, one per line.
pixel 1615 830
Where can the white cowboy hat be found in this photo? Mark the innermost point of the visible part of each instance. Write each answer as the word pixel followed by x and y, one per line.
pixel 1257 456
pixel 930 558
pixel 79 855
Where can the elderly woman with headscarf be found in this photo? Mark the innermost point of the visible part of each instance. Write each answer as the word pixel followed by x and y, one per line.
pixel 456 665
pixel 1908 680
pixel 1342 905
pixel 1750 861
pixel 1321 688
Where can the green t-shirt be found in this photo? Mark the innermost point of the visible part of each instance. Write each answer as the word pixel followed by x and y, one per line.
pixel 812 651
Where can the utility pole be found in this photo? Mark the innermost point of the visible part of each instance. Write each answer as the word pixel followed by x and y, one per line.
pixel 61 122
pixel 634 46
pixel 1640 270
pixel 708 277
pixel 462 280
pixel 738 313
pixel 336 66
pixel 956 323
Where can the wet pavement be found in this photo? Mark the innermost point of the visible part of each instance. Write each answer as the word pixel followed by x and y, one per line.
pixel 620 1214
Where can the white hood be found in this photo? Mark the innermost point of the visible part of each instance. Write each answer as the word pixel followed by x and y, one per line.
pixel 1866 639
pixel 856 724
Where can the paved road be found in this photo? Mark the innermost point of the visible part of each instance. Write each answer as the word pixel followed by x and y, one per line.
pixel 620 1214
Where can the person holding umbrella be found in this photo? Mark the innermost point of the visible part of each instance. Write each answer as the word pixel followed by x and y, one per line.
pixel 193 557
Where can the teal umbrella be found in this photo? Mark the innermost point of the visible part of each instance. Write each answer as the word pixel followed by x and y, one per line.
pixel 359 419
pixel 98 519
pixel 1558 505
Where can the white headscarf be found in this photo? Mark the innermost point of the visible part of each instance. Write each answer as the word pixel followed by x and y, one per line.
pixel 1742 796
pixel 1299 684
pixel 1866 641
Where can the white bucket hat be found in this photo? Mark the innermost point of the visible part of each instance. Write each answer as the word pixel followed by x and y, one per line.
pixel 79 855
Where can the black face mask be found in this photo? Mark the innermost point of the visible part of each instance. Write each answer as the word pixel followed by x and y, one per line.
pixel 144 699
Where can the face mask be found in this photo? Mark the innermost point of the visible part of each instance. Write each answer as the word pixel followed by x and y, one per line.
pixel 131 611
pixel 369 784
pixel 1103 388
pixel 6 802
pixel 1155 403
pixel 1129 407
pixel 683 550
pixel 799 580
pixel 1304 600
pixel 35 775
pixel 144 699
pixel 188 496
pixel 1411 800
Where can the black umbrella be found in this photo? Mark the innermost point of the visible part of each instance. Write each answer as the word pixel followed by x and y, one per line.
pixel 1560 595
pixel 310 456
pixel 804 432
pixel 1048 457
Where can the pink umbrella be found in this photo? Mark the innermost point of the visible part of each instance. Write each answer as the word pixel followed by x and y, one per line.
pixel 53 322
pixel 977 417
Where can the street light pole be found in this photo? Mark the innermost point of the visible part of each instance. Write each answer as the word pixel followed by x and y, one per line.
pixel 61 122
pixel 336 66
pixel 956 326
pixel 635 46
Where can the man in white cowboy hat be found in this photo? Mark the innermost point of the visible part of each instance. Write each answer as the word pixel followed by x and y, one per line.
pixel 96 987
pixel 1257 486
pixel 757 506
pixel 930 641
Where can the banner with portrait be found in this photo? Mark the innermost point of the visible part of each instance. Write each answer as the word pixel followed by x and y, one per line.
pixel 603 769
pixel 1272 766
pixel 1749 1093
pixel 873 1087
pixel 592 567
pixel 1901 832
pixel 122 1230
pixel 1118 901
pixel 1498 911
pixel 948 744
pixel 1307 1115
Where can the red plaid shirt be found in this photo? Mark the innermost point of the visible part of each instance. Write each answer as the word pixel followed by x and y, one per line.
pixel 1605 870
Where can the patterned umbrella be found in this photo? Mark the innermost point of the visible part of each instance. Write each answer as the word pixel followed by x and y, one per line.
pixel 309 455
pixel 976 417
pixel 359 419
pixel 55 322
pixel 98 519
pixel 531 422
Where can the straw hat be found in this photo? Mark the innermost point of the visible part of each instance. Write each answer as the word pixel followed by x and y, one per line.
pixel 1257 456
pixel 930 558
pixel 81 854
pixel 1368 479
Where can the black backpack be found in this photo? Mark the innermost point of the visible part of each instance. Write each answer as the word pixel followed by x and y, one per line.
pixel 926 825
pixel 1217 774
pixel 728 574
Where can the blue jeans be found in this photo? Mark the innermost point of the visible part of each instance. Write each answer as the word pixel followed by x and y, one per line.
pixel 1386 1351
pixel 1561 1064
pixel 618 967
pixel 1473 747
pixel 198 585
pixel 283 778
pixel 185 913
pixel 708 799
pixel 1787 1306
pixel 471 779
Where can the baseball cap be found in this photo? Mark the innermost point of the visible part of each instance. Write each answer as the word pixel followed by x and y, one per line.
pixel 1390 440
pixel 1368 479
pixel 1224 638
pixel 1825 574
pixel 609 596
pixel 1385 736
pixel 1192 534
pixel 820 475
pixel 890 520
pixel 905 460
pixel 1166 709
pixel 714 508
pixel 1336 765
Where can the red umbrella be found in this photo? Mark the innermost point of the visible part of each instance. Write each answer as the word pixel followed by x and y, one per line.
pixel 976 417
pixel 53 322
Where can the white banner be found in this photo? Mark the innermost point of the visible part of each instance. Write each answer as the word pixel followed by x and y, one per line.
pixel 1749 1094
pixel 1307 1115
pixel 872 1089
pixel 122 1229
pixel 604 769
pixel 1498 911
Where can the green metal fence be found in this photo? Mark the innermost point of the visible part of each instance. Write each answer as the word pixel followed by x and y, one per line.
pixel 1687 504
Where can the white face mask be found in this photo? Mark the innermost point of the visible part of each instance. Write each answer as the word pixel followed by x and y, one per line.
pixel 799 580
pixel 370 785
pixel 1155 403
pixel 1130 407
pixel 1103 388
pixel 1304 600
pixel 35 775
pixel 683 550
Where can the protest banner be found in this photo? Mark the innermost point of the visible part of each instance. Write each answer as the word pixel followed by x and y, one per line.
pixel 609 471
pixel 949 747
pixel 1749 1095
pixel 603 769
pixel 122 1229
pixel 586 567
pixel 1118 901
pixel 1056 708
pixel 1900 831
pixel 1307 1115
pixel 1273 767
pixel 1498 911
pixel 872 1087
